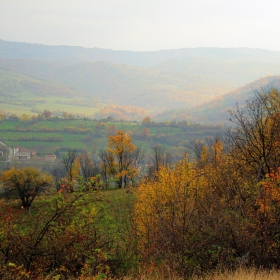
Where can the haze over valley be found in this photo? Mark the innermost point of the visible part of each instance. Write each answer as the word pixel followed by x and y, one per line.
pixel 152 82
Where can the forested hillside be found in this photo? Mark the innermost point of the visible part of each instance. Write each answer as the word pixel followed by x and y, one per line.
pixel 123 84
pixel 217 109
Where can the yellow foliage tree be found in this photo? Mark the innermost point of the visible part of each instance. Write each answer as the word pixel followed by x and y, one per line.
pixel 204 155
pixel 76 168
pixel 125 155
pixel 25 184
pixel 163 210
pixel 217 152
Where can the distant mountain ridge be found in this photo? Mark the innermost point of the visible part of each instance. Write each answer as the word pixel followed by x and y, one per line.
pixel 15 50
pixel 157 81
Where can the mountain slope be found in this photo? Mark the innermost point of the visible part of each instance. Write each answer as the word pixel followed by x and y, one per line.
pixel 20 85
pixel 26 94
pixel 217 110
pixel 123 84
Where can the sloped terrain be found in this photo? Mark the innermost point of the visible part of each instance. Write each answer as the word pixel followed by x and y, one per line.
pixel 217 109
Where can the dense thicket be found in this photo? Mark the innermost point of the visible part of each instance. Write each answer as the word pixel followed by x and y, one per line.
pixel 224 209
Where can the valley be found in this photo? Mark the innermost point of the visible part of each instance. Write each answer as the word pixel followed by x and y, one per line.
pixel 138 165
pixel 96 83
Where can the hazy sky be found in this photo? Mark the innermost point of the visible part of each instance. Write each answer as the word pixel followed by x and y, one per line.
pixel 143 24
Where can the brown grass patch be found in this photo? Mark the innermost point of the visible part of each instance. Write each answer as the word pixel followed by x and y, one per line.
pixel 243 274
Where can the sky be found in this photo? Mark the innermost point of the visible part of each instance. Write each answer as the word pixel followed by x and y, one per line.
pixel 143 25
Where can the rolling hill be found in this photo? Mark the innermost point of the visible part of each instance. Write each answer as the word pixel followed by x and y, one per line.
pixel 26 94
pixel 123 84
pixel 217 109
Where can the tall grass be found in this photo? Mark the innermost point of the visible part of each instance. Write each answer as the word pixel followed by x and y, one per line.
pixel 243 274
pixel 239 274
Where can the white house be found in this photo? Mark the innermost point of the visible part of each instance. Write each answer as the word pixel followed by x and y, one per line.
pixel 21 153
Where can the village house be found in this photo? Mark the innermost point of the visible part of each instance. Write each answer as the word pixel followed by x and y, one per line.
pixel 21 153
pixel 50 158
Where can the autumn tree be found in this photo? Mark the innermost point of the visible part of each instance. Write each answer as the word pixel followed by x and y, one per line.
pixel 109 119
pixel 69 162
pixel 2 114
pixel 165 210
pixel 146 133
pixel 25 184
pixel 107 166
pixel 215 150
pixel 57 173
pixel 159 158
pixel 126 157
pixel 88 168
pixel 76 169
pixel 209 151
pixel 147 120
pixel 99 128
pixel 112 130
pixel 255 139
pixel 65 115
pixel 47 114
pixel 197 148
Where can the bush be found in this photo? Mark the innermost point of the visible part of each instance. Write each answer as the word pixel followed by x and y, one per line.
pixel 63 236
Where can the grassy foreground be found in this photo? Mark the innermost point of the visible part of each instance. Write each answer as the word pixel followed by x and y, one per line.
pixel 239 274
pixel 243 274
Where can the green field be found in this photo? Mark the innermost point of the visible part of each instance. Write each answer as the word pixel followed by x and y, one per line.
pixel 75 110
pixel 56 135
pixel 16 109
pixel 49 105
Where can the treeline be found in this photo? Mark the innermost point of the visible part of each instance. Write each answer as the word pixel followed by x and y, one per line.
pixel 124 113
pixel 36 138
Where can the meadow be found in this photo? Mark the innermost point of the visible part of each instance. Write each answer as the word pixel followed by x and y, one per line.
pixel 83 134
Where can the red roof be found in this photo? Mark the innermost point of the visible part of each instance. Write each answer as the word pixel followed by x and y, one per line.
pixel 24 150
